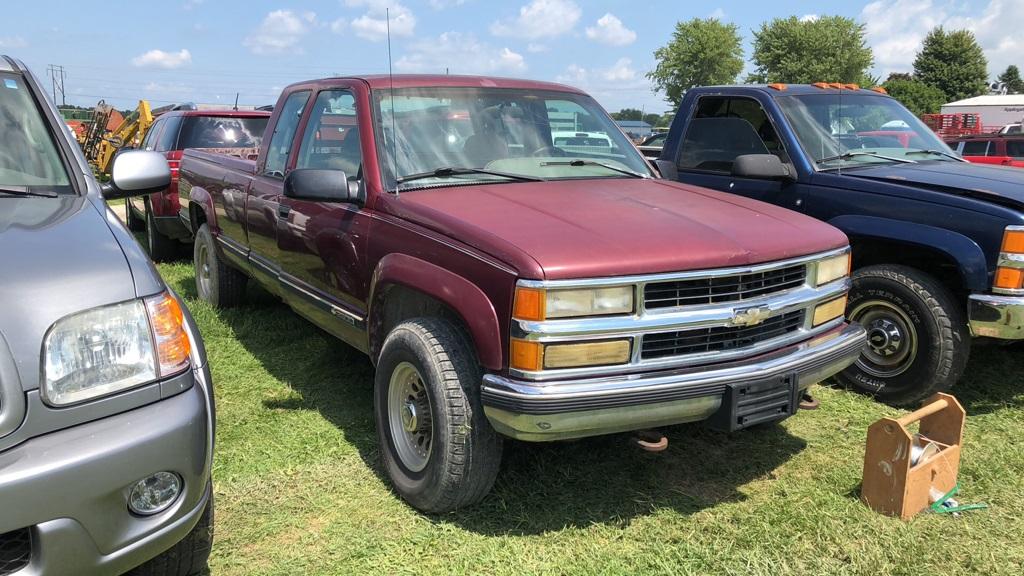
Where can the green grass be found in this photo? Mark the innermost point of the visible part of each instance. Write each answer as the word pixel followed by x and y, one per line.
pixel 300 490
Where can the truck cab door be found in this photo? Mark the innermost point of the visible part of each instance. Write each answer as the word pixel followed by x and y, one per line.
pixel 322 244
pixel 720 129
pixel 263 203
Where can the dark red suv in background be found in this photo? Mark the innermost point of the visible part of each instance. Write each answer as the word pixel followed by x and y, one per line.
pixel 228 131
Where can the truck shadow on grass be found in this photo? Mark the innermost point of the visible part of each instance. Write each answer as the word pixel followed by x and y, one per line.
pixel 541 487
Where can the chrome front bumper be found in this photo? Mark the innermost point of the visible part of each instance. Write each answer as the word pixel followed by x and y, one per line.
pixel 996 316
pixel 556 410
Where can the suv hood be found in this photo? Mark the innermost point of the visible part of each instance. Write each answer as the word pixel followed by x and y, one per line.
pixel 998 183
pixel 58 257
pixel 615 226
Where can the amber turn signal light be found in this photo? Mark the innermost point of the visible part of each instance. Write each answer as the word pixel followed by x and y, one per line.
pixel 1009 278
pixel 526 356
pixel 1013 241
pixel 168 324
pixel 529 304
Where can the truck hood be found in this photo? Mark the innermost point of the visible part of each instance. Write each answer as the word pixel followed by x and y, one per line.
pixel 58 257
pixel 613 227
pixel 997 183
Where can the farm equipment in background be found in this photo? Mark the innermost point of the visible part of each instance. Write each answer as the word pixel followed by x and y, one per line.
pixel 956 125
pixel 102 142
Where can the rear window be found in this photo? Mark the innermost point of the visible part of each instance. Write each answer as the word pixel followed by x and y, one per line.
pixel 221 132
pixel 975 148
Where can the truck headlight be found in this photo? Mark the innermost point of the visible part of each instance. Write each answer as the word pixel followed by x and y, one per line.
pixel 831 269
pixel 540 304
pixel 113 348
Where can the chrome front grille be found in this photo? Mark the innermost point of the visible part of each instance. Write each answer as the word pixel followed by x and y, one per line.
pixel 718 338
pixel 15 551
pixel 716 289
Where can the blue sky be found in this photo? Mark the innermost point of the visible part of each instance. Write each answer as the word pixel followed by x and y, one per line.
pixel 207 50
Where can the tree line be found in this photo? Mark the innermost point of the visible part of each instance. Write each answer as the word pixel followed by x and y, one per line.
pixel 949 66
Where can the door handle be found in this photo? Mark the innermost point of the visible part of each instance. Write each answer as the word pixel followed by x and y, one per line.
pixel 283 210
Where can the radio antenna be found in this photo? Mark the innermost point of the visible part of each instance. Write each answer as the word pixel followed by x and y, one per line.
pixel 391 81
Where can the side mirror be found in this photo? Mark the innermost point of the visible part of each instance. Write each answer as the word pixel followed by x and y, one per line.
pixel 321 186
pixel 137 173
pixel 763 166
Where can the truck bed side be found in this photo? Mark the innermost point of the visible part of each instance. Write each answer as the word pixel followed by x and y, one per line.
pixel 213 188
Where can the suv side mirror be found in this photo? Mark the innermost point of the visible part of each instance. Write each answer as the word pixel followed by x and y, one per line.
pixel 764 166
pixel 137 173
pixel 321 186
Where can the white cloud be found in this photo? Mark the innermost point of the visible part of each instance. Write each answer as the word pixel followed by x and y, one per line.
pixel 895 29
pixel 610 31
pixel 339 25
pixel 12 42
pixel 442 4
pixel 535 47
pixel 459 54
pixel 717 14
pixel 373 25
pixel 621 71
pixel 540 19
pixel 617 86
pixel 281 31
pixel 809 18
pixel 161 59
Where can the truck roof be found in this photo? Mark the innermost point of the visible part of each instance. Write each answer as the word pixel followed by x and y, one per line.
pixel 384 81
pixel 788 90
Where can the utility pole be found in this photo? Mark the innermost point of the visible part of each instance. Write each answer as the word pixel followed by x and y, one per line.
pixel 57 76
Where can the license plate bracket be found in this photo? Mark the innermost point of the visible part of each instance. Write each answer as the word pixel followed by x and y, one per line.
pixel 756 402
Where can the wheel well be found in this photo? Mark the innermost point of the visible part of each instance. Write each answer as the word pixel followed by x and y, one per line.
pixel 400 303
pixel 867 252
pixel 196 216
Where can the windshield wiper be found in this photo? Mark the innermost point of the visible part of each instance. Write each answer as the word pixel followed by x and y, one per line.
pixel 855 153
pixel 449 171
pixel 611 167
pixel 936 153
pixel 24 191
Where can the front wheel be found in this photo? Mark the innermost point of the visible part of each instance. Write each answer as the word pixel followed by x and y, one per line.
pixel 917 339
pixel 188 557
pixel 438 447
pixel 216 281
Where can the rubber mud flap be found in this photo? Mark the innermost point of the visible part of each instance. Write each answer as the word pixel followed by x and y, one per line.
pixel 747 404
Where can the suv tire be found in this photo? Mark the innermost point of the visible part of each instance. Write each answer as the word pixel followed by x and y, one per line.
pixel 917 337
pixel 437 446
pixel 188 557
pixel 216 282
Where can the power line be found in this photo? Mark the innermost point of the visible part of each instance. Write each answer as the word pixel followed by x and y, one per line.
pixel 57 76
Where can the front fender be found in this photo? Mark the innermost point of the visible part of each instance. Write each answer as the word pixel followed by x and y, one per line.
pixel 454 291
pixel 202 200
pixel 965 252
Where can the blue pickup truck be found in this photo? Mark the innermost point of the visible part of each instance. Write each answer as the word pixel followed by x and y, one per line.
pixel 938 243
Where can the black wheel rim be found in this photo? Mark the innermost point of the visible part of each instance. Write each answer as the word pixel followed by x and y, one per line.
pixel 892 338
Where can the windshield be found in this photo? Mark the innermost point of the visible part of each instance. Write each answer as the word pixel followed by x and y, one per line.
pixel 28 155
pixel 858 130
pixel 508 132
pixel 221 132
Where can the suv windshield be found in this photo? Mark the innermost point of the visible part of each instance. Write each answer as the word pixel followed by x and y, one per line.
pixel 221 132
pixel 858 129
pixel 29 161
pixel 458 133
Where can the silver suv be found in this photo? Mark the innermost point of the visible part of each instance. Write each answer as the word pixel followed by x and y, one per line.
pixel 106 404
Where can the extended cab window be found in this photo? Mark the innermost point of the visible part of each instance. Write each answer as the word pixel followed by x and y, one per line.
pixel 284 134
pixel 331 140
pixel 29 159
pixel 723 128
pixel 975 148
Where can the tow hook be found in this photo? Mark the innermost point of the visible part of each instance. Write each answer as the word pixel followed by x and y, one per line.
pixel 808 402
pixel 650 440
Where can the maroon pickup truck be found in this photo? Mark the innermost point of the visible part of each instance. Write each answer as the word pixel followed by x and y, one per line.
pixel 507 287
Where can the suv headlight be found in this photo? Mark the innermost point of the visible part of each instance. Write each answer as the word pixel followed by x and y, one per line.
pixel 832 269
pixel 540 304
pixel 113 348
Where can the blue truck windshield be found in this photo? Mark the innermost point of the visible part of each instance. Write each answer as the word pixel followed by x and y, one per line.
pixel 858 129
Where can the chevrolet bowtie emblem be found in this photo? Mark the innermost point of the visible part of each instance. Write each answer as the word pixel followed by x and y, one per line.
pixel 750 316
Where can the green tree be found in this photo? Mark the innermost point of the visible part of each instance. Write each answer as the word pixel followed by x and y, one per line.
pixel 826 49
pixel 652 119
pixel 1012 79
pixel 627 114
pixel 952 62
pixel 917 96
pixel 702 52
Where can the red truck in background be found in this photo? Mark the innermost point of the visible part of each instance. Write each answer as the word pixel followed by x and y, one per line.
pixel 504 286
pixel 231 131
pixel 998 149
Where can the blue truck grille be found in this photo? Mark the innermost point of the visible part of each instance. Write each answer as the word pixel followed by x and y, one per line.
pixel 712 290
pixel 719 338
pixel 15 551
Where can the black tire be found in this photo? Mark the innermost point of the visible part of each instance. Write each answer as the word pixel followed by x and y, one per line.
pixel 189 556
pixel 133 222
pixel 161 248
pixel 216 281
pixel 918 342
pixel 463 453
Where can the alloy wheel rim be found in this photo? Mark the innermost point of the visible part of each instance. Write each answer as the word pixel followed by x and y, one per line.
pixel 204 270
pixel 891 338
pixel 409 417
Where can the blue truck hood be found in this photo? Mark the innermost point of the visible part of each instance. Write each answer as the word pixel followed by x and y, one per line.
pixel 1001 184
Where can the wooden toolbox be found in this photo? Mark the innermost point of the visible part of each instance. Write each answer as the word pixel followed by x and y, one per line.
pixel 904 471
